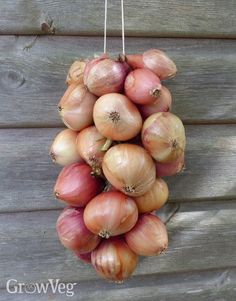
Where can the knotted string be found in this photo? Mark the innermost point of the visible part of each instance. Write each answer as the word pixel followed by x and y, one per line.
pixel 122 24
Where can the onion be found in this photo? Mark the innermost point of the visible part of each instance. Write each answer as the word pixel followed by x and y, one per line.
pixel 89 145
pixel 110 213
pixel 113 259
pixel 142 86
pixel 116 117
pixel 73 233
pixel 153 199
pixel 163 136
pixel 63 150
pixel 148 237
pixel 86 257
pixel 104 75
pixel 76 73
pixel 155 60
pixel 76 107
pixel 162 104
pixel 129 168
pixel 76 186
pixel 170 169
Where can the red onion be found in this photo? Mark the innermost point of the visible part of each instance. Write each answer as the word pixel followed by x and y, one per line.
pixel 113 259
pixel 162 104
pixel 104 75
pixel 73 233
pixel 148 237
pixel 142 86
pixel 170 169
pixel 76 107
pixel 76 186
pixel 155 60
pixel 163 136
pixel 110 213
pixel 116 117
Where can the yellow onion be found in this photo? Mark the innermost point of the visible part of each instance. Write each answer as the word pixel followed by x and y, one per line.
pixel 76 107
pixel 113 259
pixel 163 136
pixel 129 168
pixel 161 104
pixel 153 199
pixel 148 237
pixel 76 73
pixel 89 145
pixel 116 117
pixel 63 150
pixel 104 75
pixel 110 213
pixel 73 233
pixel 155 60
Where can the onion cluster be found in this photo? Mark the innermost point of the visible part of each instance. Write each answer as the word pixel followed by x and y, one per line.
pixel 120 140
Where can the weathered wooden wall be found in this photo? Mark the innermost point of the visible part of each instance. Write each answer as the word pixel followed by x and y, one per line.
pixel 200 263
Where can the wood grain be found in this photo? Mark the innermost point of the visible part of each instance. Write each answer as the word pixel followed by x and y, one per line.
pixel 28 175
pixel 198 234
pixel 214 285
pixel 32 82
pixel 156 18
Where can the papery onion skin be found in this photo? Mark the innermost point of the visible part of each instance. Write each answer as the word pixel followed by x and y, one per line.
pixel 170 169
pixel 162 104
pixel 135 60
pixel 86 257
pixel 63 150
pixel 153 199
pixel 155 60
pixel 142 86
pixel 116 117
pixel 73 233
pixel 110 214
pixel 76 73
pixel 158 61
pixel 114 260
pixel 76 186
pixel 89 144
pixel 76 107
pixel 104 75
pixel 163 136
pixel 91 63
pixel 129 168
pixel 148 237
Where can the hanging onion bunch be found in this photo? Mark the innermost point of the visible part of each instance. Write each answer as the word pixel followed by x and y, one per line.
pixel 121 139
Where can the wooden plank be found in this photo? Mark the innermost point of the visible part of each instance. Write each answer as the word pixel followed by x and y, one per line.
pixel 32 82
pixel 156 18
pixel 201 236
pixel 205 286
pixel 216 285
pixel 28 175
